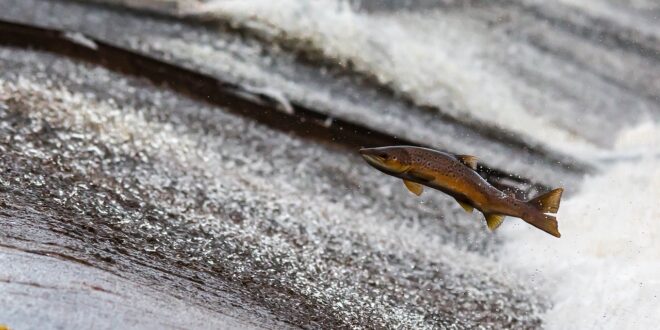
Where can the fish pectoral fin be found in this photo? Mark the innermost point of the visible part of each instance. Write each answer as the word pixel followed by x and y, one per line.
pixel 466 206
pixel 494 220
pixel 467 160
pixel 414 188
pixel 420 176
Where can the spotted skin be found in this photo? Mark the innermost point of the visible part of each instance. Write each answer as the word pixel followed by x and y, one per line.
pixel 445 172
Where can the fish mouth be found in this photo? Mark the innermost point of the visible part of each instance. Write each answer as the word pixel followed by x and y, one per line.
pixel 372 157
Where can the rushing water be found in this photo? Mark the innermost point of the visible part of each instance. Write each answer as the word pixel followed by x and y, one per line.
pixel 570 92
pixel 310 232
pixel 493 63
pixel 291 222
pixel 603 274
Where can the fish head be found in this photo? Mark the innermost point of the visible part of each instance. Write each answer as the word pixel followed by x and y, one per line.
pixel 391 160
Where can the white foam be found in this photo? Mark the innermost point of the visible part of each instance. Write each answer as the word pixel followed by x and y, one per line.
pixel 627 13
pixel 604 271
pixel 451 69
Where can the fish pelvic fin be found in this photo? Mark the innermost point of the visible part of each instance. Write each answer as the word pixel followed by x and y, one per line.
pixel 466 206
pixel 414 187
pixel 548 202
pixel 494 220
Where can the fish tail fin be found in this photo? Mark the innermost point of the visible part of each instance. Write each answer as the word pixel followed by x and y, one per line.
pixel 548 202
pixel 547 223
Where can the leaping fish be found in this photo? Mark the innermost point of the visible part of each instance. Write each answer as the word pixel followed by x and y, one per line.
pixel 456 176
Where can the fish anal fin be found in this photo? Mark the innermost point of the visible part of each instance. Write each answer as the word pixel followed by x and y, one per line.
pixel 414 187
pixel 467 160
pixel 420 175
pixel 466 206
pixel 494 220
pixel 548 202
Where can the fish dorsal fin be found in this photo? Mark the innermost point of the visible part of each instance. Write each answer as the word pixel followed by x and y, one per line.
pixel 420 175
pixel 467 207
pixel 548 202
pixel 467 160
pixel 414 188
pixel 494 220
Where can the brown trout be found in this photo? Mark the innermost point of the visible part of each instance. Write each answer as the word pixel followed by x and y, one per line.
pixel 456 176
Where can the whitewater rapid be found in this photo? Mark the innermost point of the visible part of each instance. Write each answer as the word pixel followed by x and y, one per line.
pixel 476 62
pixel 560 89
pixel 603 272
